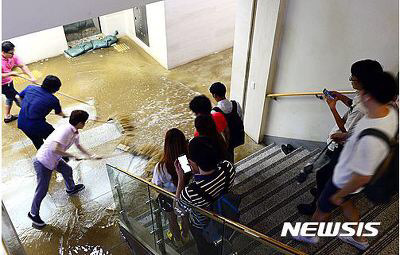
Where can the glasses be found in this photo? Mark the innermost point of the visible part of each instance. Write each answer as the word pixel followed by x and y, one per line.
pixel 10 53
pixel 351 78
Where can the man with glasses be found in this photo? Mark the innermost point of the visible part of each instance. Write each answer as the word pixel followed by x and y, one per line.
pixel 8 61
pixel 360 70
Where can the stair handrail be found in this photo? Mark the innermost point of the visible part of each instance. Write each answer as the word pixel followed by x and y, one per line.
pixel 305 93
pixel 251 233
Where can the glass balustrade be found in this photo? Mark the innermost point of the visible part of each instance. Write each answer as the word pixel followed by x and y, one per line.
pixel 145 212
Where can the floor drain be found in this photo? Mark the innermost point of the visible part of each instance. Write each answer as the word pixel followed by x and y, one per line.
pixel 122 47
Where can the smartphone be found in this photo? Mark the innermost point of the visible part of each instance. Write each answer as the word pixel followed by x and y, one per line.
pixel 184 164
pixel 328 93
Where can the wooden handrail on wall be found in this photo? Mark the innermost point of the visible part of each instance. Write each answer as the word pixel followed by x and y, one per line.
pixel 306 93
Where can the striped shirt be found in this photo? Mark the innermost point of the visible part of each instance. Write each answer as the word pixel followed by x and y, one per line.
pixel 212 184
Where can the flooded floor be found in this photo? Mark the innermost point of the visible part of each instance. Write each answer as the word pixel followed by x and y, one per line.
pixel 122 80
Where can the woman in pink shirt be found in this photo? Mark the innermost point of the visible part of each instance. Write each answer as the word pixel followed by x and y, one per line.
pixel 8 62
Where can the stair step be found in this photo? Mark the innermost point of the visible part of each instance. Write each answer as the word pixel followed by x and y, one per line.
pixel 281 180
pixel 249 160
pixel 388 239
pixel 258 175
pixel 273 204
pixel 366 208
pixel 386 214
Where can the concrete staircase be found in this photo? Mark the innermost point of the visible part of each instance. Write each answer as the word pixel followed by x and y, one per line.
pixel 266 182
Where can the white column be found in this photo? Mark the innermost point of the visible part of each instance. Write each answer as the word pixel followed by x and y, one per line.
pixel 265 39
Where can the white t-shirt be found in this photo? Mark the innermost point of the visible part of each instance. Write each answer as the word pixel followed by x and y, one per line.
pixel 226 106
pixel 363 156
pixel 66 135
pixel 162 178
pixel 351 117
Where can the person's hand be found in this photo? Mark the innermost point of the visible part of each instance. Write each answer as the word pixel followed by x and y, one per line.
pixel 331 102
pixel 178 169
pixel 13 73
pixel 33 79
pixel 336 94
pixel 78 158
pixel 193 166
pixel 336 199
pixel 339 137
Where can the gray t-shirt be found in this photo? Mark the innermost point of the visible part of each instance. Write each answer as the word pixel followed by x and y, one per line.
pixel 351 117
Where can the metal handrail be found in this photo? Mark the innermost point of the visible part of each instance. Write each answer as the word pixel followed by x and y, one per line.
pixel 235 225
pixel 306 93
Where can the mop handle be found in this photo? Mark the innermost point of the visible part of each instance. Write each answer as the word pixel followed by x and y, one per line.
pixel 62 94
pixel 104 157
pixel 94 120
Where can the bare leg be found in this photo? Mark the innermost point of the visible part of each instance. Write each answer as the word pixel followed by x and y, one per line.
pixel 319 216
pixel 173 226
pixel 352 214
pixel 7 111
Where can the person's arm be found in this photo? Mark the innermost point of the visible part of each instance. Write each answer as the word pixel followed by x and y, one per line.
pixel 57 108
pixel 357 181
pixel 346 100
pixel 57 148
pixel 62 114
pixel 339 121
pixel 84 151
pixel 12 73
pixel 26 70
pixel 181 178
pixel 339 137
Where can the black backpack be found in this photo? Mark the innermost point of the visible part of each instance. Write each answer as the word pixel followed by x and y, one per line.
pixel 235 125
pixel 385 181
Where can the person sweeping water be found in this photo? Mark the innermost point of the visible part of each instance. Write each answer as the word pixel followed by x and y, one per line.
pixel 9 61
pixel 49 158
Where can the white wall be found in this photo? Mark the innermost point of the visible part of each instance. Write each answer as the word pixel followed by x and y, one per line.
pixel 321 39
pixel 241 44
pixel 123 21
pixel 198 28
pixel 44 44
pixel 157 48
pixel 25 17
pixel 115 21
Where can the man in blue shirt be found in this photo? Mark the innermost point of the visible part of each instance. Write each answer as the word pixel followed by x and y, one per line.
pixel 37 103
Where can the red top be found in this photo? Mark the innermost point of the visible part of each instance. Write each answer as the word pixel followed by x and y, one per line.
pixel 219 120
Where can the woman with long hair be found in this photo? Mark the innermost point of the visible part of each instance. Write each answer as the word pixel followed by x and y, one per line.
pixel 205 125
pixel 165 176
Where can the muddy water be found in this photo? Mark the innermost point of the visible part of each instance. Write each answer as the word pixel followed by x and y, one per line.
pixel 121 80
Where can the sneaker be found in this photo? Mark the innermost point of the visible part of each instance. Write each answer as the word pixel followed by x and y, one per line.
pixel 307 209
pixel 36 220
pixel 350 240
pixel 77 188
pixel 284 149
pixel 12 118
pixel 307 239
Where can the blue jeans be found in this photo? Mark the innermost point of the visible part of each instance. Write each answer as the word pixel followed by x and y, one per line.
pixel 43 176
pixel 9 91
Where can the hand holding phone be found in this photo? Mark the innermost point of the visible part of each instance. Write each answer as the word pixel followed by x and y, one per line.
pixel 183 161
pixel 328 94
